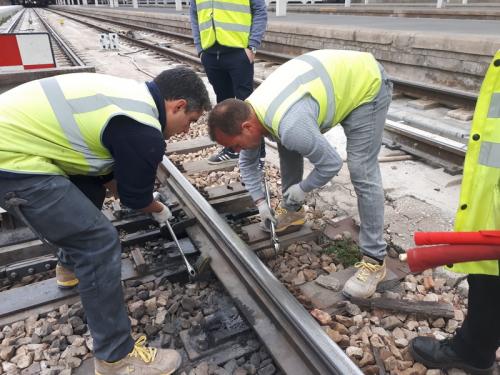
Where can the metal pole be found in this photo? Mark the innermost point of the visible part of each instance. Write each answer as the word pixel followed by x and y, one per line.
pixel 281 8
pixel 178 5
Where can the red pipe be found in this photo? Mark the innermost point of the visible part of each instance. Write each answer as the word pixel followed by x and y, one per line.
pixel 484 237
pixel 422 258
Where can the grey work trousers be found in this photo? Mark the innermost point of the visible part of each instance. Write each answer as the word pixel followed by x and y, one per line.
pixel 61 213
pixel 363 128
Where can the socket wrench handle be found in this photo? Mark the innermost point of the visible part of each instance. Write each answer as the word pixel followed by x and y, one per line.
pixel 190 269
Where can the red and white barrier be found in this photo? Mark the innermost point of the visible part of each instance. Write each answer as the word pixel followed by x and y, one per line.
pixel 25 51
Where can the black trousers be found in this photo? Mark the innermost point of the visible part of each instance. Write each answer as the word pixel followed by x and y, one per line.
pixel 479 337
pixel 231 76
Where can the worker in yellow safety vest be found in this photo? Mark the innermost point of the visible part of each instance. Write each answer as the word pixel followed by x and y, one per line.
pixel 299 102
pixel 63 140
pixel 227 34
pixel 474 345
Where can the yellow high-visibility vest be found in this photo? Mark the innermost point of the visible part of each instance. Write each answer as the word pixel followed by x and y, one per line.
pixel 479 207
pixel 54 125
pixel 339 81
pixel 226 21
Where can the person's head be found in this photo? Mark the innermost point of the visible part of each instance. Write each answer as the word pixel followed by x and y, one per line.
pixel 232 123
pixel 185 98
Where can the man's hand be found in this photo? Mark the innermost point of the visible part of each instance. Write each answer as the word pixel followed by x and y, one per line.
pixel 266 216
pixel 250 55
pixel 162 216
pixel 294 196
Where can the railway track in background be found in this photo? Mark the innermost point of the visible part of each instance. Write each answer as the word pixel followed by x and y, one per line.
pixel 440 145
pixel 29 21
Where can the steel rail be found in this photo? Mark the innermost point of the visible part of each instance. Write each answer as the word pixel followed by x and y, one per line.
pixel 166 51
pixel 73 57
pixel 302 336
pixel 19 15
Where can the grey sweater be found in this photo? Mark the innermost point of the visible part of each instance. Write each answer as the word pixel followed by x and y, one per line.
pixel 298 131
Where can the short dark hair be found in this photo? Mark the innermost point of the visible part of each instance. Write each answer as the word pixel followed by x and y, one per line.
pixel 227 116
pixel 183 83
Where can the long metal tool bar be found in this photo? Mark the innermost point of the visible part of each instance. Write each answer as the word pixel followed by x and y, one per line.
pixel 190 269
pixel 295 340
pixel 274 238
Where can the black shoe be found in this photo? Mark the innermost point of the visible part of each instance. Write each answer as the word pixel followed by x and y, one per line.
pixel 224 156
pixel 433 353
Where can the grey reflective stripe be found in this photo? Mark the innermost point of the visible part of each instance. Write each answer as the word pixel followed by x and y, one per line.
pixel 494 111
pixel 205 25
pixel 64 115
pixel 232 27
pixel 224 6
pixel 95 102
pixel 489 155
pixel 317 71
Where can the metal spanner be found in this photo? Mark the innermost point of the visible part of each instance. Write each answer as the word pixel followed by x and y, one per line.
pixel 14 203
pixel 190 269
pixel 274 238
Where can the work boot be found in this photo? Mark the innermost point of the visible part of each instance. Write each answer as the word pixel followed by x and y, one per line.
pixel 433 353
pixel 223 156
pixel 141 361
pixel 364 282
pixel 65 278
pixel 286 219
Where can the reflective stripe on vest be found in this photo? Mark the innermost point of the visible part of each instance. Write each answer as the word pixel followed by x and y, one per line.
pixel 59 130
pixel 317 70
pixel 339 81
pixel 225 22
pixel 479 207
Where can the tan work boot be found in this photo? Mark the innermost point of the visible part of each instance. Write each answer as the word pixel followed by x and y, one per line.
pixel 286 219
pixel 141 361
pixel 65 278
pixel 363 283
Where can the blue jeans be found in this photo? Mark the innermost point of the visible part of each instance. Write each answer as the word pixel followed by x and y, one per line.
pixel 231 76
pixel 64 215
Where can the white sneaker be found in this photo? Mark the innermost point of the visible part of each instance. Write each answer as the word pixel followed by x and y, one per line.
pixel 363 283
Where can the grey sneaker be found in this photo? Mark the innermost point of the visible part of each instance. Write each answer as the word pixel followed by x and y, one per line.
pixel 141 361
pixel 223 156
pixel 363 283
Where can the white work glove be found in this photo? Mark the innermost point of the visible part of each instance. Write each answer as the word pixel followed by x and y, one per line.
pixel 266 215
pixel 163 216
pixel 294 197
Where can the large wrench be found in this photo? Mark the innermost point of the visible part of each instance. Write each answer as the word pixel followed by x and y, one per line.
pixel 274 238
pixel 14 203
pixel 190 269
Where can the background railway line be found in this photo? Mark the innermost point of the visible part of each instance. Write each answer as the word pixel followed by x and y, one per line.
pixel 261 290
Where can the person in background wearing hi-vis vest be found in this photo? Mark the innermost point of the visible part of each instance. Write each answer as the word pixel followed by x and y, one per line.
pixel 295 105
pixel 63 139
pixel 226 36
pixel 474 345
